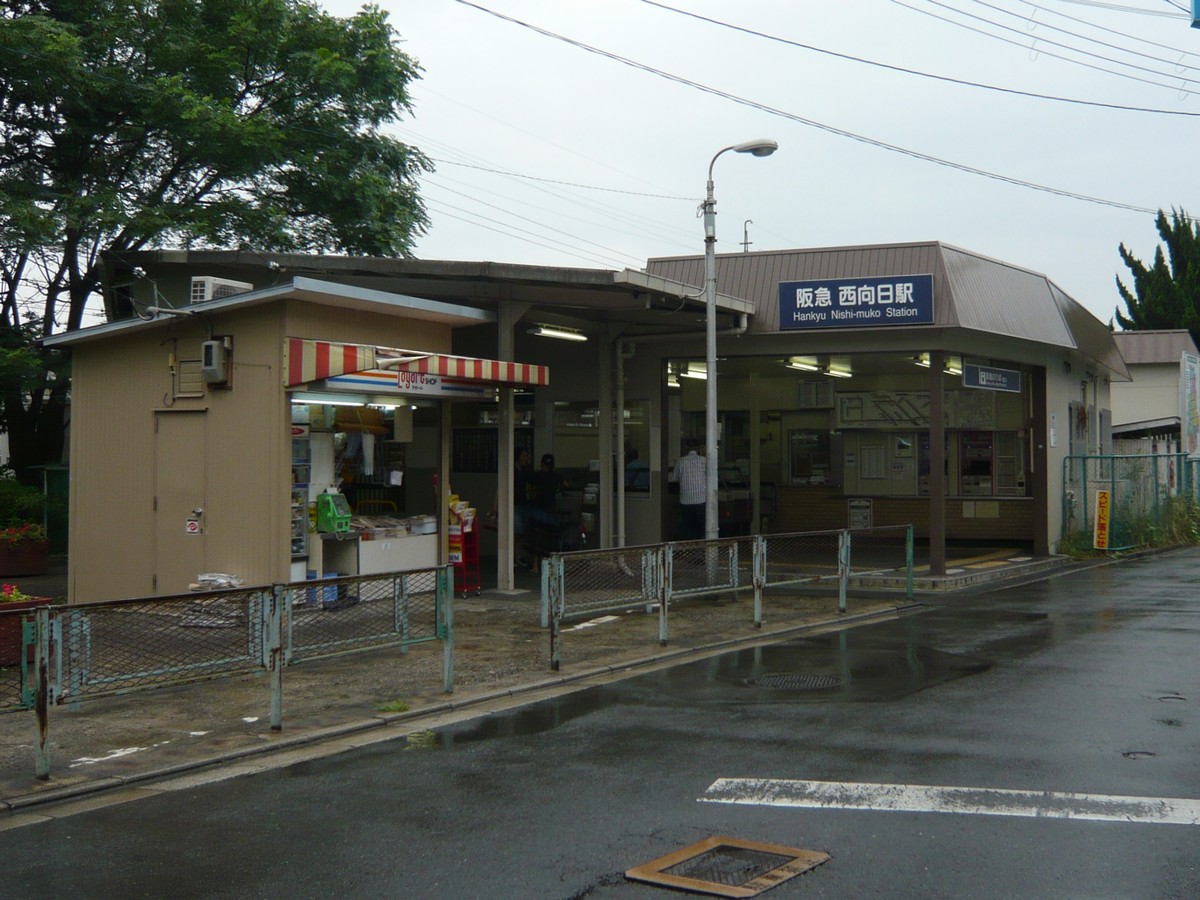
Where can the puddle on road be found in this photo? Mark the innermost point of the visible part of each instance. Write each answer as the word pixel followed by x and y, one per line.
pixel 818 670
pixel 825 670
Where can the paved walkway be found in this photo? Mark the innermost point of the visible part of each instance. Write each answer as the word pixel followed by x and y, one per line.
pixel 502 658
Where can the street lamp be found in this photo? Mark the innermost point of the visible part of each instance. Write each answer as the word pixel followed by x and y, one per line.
pixel 754 148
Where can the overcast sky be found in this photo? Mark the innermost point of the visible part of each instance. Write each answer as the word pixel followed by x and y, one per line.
pixel 551 154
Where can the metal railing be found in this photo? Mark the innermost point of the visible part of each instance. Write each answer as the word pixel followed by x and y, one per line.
pixel 593 582
pixel 68 654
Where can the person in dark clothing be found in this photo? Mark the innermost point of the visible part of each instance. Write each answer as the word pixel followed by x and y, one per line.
pixel 545 484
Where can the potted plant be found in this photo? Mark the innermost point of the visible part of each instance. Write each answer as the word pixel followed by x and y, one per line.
pixel 24 549
pixel 12 602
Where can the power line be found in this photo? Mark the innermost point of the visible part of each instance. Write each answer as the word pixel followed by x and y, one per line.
pixel 586 187
pixel 883 145
pixel 905 71
pixel 1043 40
pixel 1036 24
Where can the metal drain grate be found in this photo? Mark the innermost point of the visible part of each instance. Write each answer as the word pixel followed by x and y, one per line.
pixel 796 681
pixel 728 867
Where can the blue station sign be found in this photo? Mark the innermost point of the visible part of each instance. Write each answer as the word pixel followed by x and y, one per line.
pixel 990 379
pixel 856 302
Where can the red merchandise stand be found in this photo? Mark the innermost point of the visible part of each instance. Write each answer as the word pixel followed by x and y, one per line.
pixel 464 554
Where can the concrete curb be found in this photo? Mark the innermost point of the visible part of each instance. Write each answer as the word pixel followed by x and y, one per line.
pixel 572 680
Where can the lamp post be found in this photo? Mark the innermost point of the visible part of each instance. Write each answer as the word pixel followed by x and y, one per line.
pixel 755 148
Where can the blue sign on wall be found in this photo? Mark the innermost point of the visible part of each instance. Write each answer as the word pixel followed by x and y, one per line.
pixel 990 379
pixel 856 302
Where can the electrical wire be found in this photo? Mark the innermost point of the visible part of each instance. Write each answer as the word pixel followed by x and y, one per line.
pixel 830 129
pixel 1025 46
pixel 915 72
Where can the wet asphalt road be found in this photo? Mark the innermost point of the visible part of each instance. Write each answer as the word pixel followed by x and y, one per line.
pixel 1087 682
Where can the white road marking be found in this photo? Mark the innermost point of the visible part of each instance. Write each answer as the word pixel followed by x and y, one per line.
pixel 592 623
pixel 964 800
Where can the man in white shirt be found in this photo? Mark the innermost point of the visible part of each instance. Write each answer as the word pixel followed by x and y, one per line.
pixel 692 475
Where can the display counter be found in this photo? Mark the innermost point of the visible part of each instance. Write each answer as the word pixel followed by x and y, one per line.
pixel 375 545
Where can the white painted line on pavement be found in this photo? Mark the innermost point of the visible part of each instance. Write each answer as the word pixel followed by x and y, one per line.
pixel 964 800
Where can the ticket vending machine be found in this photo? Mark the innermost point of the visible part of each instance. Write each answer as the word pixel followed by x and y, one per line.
pixel 333 513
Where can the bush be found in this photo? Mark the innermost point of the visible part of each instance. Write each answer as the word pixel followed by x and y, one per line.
pixel 19 503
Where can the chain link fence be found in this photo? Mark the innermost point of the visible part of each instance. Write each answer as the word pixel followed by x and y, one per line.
pixel 1145 492
pixel 577 585
pixel 67 654
pixel 357 612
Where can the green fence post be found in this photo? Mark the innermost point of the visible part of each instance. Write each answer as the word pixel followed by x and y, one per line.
pixel 40 628
pixel 1112 502
pixel 908 562
pixel 843 568
pixel 445 601
pixel 666 575
pixel 759 575
pixel 275 661
pixel 1083 481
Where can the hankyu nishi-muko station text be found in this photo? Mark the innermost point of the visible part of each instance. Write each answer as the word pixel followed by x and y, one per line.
pixel 871 301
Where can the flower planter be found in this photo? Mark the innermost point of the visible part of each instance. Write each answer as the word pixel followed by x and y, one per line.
pixel 24 558
pixel 10 628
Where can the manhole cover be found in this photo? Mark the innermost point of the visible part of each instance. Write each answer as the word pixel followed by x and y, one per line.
pixel 796 681
pixel 728 867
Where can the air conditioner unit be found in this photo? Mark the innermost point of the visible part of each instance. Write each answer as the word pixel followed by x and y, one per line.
pixel 206 287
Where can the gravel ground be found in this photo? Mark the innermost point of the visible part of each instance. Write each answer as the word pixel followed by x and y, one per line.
pixel 499 645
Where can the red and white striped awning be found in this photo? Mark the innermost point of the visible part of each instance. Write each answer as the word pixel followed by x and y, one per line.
pixel 309 361
pixel 468 368
pixel 314 360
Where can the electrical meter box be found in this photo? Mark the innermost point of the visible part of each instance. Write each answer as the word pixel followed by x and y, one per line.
pixel 214 361
pixel 333 513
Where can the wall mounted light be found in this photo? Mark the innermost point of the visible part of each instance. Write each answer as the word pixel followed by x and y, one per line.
pixel 562 334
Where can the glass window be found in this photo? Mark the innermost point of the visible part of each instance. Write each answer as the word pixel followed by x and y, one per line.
pixel 808 457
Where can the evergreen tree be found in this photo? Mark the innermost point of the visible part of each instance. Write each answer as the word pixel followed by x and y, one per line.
pixel 1166 294
pixel 131 124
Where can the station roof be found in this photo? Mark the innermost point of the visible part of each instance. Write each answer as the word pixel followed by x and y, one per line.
pixel 972 292
pixel 1151 347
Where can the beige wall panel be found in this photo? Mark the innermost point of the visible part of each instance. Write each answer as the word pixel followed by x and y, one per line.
pixel 325 323
pixel 242 460
pixel 116 387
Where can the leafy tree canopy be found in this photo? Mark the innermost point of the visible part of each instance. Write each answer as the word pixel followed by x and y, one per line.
pixel 1165 294
pixel 128 124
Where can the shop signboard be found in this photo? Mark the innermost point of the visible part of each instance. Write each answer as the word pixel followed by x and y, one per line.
pixel 1189 405
pixel 989 378
pixel 383 381
pixel 856 302
pixel 860 512
pixel 1101 529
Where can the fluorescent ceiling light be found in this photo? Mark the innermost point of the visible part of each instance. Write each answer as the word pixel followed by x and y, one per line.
pixel 307 397
pixel 803 363
pixel 563 334
pixel 695 370
pixel 839 373
pixel 951 366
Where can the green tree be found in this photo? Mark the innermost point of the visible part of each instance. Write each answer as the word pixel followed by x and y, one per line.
pixel 130 124
pixel 1167 293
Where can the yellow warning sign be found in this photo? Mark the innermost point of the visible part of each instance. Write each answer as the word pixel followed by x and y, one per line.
pixel 1100 532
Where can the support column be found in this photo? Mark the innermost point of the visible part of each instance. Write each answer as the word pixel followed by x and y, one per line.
pixel 937 466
